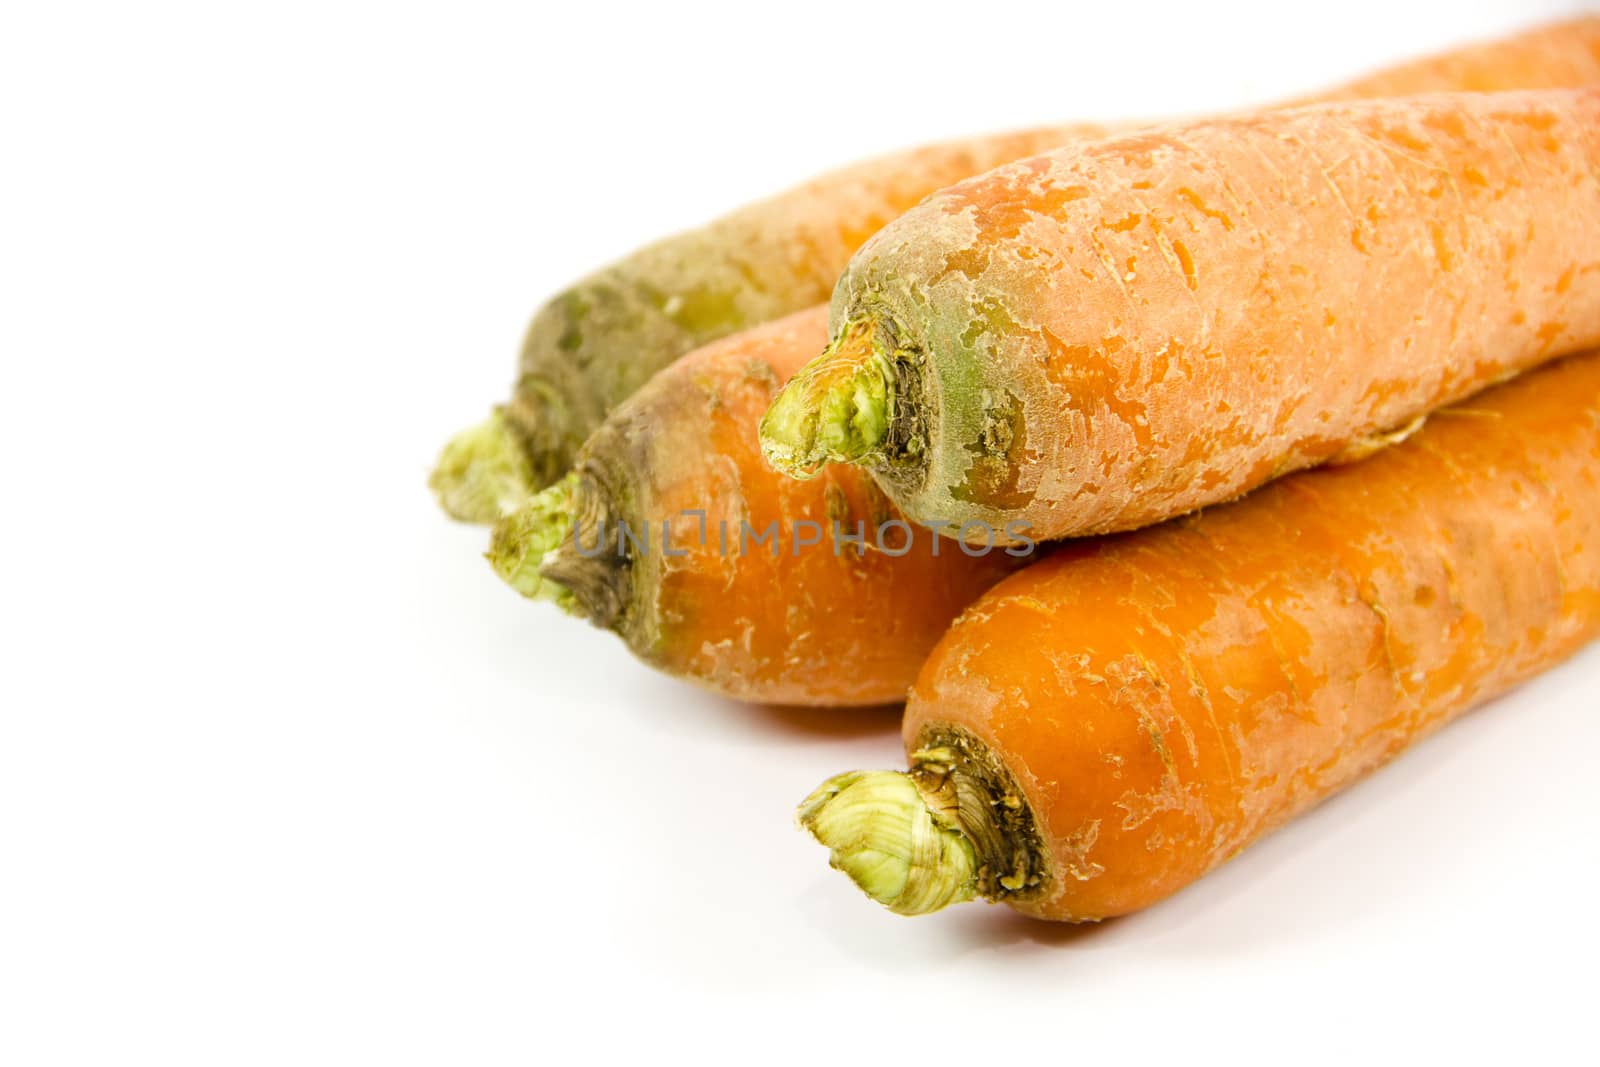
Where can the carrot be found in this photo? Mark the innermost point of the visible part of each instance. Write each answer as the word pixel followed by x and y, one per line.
pixel 1106 726
pixel 1118 332
pixel 673 533
pixel 1558 55
pixel 597 342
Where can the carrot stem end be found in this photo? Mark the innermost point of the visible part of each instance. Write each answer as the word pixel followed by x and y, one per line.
pixel 483 473
pixel 882 832
pixel 837 409
pixel 525 537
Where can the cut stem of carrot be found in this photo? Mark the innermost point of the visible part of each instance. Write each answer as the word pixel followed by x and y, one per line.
pixel 525 539
pixel 483 473
pixel 956 822
pixel 889 837
pixel 838 410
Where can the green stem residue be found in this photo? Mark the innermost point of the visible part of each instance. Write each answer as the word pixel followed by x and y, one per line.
pixel 525 538
pixel 483 473
pixel 882 831
pixel 837 409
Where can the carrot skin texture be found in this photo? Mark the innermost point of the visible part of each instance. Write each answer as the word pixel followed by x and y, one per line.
pixel 1164 698
pixel 596 343
pixel 600 339
pixel 1114 333
pixel 1560 55
pixel 773 620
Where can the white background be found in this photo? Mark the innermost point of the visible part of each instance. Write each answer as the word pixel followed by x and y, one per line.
pixel 286 772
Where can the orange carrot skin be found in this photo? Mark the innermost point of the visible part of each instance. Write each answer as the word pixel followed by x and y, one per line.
pixel 1166 697
pixel 818 629
pixel 1561 55
pixel 1117 332
pixel 772 620
pixel 594 344
pixel 598 341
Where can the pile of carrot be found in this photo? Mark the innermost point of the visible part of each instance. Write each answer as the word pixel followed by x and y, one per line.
pixel 977 475
pixel 598 341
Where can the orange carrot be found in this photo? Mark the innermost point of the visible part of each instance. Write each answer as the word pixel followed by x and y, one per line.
pixel 597 342
pixel 1106 726
pixel 673 533
pixel 1560 55
pixel 1122 331
pixel 593 345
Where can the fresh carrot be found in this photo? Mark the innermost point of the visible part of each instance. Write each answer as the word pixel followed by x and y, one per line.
pixel 597 342
pixel 673 533
pixel 1106 726
pixel 1117 332
pixel 1558 55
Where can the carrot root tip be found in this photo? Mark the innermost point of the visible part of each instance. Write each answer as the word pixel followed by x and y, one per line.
pixel 837 409
pixel 881 831
pixel 483 473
